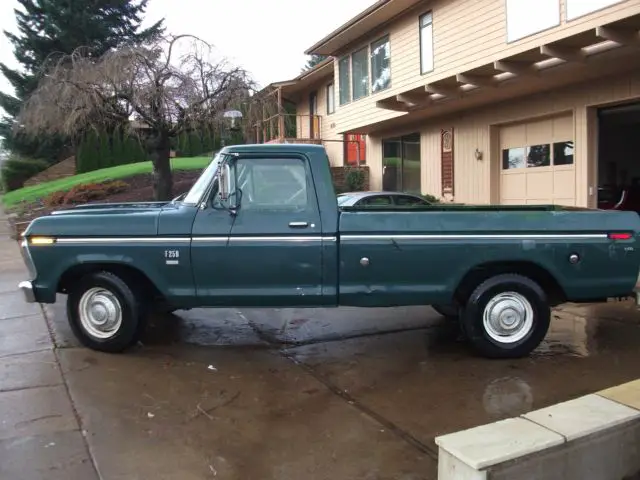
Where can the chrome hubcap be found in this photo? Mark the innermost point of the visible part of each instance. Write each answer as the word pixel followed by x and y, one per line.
pixel 508 317
pixel 100 313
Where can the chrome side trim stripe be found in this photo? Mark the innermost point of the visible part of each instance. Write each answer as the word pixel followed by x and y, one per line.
pixel 111 240
pixel 210 239
pixel 286 238
pixel 577 236
pixel 76 240
pixel 256 238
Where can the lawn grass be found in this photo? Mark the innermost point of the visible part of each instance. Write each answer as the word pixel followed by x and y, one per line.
pixel 36 192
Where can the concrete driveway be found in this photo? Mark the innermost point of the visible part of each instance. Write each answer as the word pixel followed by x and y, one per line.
pixel 315 394
pixel 276 394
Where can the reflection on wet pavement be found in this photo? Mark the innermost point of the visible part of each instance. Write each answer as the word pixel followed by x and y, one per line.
pixel 323 393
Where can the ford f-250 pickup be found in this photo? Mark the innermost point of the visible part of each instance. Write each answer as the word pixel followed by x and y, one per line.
pixel 261 228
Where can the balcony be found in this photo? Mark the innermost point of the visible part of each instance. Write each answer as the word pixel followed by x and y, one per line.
pixel 290 128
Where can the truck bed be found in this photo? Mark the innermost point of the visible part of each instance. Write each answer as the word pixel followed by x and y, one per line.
pixel 434 248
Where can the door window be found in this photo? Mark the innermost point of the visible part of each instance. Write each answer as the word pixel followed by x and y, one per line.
pixel 272 184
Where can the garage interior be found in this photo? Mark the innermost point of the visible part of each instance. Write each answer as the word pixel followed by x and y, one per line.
pixel 619 157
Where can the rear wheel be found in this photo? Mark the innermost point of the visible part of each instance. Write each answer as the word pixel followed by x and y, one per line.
pixel 104 312
pixel 507 316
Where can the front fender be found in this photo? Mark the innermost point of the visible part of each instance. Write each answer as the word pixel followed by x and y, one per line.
pixel 173 281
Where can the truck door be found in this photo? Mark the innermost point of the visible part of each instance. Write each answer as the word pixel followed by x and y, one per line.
pixel 209 238
pixel 274 253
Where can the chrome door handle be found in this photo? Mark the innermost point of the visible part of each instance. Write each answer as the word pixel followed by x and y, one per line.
pixel 298 224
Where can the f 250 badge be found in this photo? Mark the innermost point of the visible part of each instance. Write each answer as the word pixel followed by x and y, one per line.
pixel 172 257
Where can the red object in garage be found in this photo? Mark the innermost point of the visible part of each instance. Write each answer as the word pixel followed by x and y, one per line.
pixel 619 198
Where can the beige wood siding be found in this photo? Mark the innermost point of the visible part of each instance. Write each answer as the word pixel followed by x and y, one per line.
pixel 327 122
pixel 478 181
pixel 467 34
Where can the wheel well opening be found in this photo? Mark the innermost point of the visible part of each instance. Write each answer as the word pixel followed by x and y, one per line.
pixel 538 274
pixel 131 275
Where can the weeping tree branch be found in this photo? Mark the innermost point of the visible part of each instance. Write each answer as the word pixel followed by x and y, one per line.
pixel 172 85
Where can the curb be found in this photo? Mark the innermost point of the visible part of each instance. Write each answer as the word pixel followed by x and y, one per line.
pixel 593 436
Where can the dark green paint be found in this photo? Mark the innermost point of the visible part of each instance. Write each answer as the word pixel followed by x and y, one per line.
pixel 234 268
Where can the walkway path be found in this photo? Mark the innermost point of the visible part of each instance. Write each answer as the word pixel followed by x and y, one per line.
pixel 40 436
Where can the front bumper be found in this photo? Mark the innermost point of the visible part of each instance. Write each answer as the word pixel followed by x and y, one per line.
pixel 26 288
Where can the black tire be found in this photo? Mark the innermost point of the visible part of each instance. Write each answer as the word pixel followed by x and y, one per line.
pixel 480 336
pixel 450 312
pixel 132 315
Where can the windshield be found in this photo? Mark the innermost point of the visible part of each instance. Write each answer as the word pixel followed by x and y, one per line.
pixel 201 185
pixel 343 198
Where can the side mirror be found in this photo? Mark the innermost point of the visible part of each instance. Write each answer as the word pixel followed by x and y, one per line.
pixel 224 181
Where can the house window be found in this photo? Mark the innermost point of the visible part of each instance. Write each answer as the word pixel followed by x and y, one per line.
pixel 578 8
pixel 344 77
pixel 360 73
pixel 543 155
pixel 331 99
pixel 426 43
pixel 522 23
pixel 563 153
pixel 380 64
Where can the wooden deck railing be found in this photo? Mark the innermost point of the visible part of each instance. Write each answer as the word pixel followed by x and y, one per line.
pixel 286 127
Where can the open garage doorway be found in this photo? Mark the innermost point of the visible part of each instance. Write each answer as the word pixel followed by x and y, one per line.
pixel 619 157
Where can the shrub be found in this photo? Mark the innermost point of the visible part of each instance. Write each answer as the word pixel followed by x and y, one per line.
pixel 85 193
pixel 354 179
pixel 16 170
pixel 431 198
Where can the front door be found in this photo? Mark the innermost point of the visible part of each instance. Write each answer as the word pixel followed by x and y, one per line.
pixel 210 235
pixel 313 111
pixel 275 245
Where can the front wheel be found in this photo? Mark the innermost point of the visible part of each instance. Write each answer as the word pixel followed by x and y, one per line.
pixel 104 313
pixel 507 316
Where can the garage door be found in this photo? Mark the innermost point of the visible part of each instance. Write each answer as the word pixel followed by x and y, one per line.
pixel 537 164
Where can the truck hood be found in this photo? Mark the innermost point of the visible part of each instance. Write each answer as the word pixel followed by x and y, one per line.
pixel 100 220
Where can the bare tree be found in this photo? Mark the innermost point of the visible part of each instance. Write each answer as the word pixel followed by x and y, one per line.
pixel 165 87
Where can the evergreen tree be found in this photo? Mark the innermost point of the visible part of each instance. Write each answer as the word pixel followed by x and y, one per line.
pixel 104 151
pixel 313 61
pixel 207 144
pixel 49 28
pixel 183 145
pixel 81 157
pixel 118 154
pixel 88 158
pixel 195 144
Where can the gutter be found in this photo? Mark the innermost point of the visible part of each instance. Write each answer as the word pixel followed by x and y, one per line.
pixel 362 15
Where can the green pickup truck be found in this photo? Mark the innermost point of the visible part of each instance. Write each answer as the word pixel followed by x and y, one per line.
pixel 261 228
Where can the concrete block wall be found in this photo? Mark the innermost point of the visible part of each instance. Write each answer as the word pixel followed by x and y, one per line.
pixel 595 437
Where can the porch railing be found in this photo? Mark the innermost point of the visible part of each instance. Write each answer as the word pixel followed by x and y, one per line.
pixel 290 127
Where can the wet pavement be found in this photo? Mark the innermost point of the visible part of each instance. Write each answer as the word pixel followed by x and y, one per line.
pixel 40 435
pixel 346 393
pixel 276 394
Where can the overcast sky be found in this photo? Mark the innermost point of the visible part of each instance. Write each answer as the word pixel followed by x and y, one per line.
pixel 254 33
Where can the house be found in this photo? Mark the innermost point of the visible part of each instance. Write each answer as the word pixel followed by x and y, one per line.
pixel 479 101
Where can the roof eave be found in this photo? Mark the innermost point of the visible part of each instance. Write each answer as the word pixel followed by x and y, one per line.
pixel 317 48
